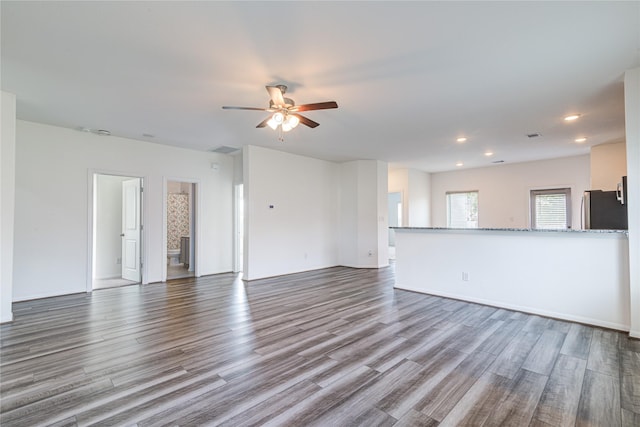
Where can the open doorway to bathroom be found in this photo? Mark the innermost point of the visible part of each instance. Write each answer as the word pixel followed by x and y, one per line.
pixel 117 231
pixel 181 223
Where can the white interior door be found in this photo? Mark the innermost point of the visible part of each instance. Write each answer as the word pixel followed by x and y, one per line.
pixel 131 229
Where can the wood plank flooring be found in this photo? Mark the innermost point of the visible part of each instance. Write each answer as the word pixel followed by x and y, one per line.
pixel 333 347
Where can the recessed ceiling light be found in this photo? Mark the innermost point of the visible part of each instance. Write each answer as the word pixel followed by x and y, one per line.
pixel 579 140
pixel 459 164
pixel 488 154
pixel 461 139
pixel 571 117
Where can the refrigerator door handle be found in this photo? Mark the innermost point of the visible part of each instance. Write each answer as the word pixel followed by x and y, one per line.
pixel 619 193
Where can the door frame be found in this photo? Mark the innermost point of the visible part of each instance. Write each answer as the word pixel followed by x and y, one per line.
pixel 91 201
pixel 197 196
pixel 238 228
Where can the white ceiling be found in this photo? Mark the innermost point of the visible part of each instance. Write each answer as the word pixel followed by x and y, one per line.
pixel 409 77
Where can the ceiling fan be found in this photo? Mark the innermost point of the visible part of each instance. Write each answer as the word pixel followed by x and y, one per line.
pixel 285 112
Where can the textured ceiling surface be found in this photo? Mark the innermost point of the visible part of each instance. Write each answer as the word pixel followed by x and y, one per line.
pixel 409 77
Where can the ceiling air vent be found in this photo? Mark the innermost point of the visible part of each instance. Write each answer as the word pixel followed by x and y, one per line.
pixel 533 135
pixel 101 132
pixel 498 161
pixel 223 149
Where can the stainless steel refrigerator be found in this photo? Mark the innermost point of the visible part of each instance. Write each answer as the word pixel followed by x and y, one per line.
pixel 606 210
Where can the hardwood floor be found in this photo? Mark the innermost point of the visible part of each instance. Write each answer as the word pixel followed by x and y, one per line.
pixel 334 347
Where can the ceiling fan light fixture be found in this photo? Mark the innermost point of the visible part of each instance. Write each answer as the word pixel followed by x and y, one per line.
pixel 571 117
pixel 284 111
pixel 272 123
pixel 290 122
pixel 278 118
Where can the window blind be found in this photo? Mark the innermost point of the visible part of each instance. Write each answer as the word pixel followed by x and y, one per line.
pixel 462 210
pixel 550 209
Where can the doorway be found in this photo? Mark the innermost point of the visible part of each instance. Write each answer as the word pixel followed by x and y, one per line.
pixel 117 231
pixel 180 227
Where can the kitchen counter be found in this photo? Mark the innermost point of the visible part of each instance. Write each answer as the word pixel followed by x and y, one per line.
pixel 577 275
pixel 535 230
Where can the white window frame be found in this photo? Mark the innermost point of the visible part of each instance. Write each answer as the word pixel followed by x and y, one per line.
pixel 566 191
pixel 448 204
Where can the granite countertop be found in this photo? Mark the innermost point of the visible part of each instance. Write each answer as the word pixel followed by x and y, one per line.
pixel 570 230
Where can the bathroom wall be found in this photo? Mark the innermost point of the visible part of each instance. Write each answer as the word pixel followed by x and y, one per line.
pixel 177 218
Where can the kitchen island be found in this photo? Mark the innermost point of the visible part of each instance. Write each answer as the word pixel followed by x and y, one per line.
pixel 576 275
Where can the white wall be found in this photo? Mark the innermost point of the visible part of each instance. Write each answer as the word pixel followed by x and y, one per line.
pixel 608 165
pixel 382 225
pixel 419 198
pixel 415 187
pixel 632 124
pixel 348 231
pixel 108 214
pixel 237 168
pixel 7 202
pixel 298 233
pixel 364 237
pixel 572 275
pixel 503 199
pixel 53 166
pixel 398 182
pixel 323 214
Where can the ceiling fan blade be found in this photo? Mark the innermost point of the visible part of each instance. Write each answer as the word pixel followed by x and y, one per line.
pixel 226 107
pixel 276 95
pixel 307 122
pixel 316 106
pixel 264 122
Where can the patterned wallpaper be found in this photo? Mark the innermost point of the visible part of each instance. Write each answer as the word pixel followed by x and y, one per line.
pixel 177 219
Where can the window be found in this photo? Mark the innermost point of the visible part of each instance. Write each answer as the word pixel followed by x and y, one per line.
pixel 462 209
pixel 551 209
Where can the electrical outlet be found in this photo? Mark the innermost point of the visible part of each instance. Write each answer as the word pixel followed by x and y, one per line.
pixel 465 276
pixel 370 252
pixel 118 261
